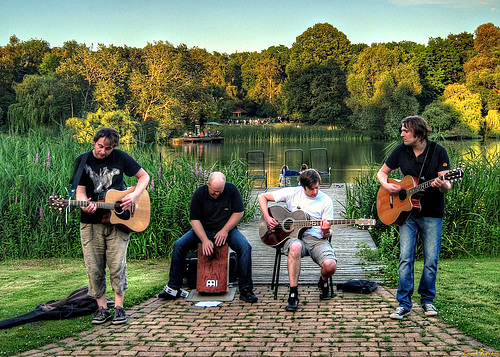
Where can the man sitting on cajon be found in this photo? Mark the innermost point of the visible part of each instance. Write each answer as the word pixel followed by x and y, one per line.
pixel 216 208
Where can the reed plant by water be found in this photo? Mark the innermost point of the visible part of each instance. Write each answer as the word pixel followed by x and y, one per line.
pixel 36 166
pixel 276 133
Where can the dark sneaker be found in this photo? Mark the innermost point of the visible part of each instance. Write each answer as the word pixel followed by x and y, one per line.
pixel 247 295
pixel 429 310
pixel 119 317
pixel 400 313
pixel 293 302
pixel 324 289
pixel 101 316
pixel 171 294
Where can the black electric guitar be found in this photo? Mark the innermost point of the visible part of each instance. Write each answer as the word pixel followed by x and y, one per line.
pixel 395 209
pixel 135 219
pixel 291 225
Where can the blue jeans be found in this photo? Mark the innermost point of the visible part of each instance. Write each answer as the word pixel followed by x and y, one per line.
pixel 430 230
pixel 189 242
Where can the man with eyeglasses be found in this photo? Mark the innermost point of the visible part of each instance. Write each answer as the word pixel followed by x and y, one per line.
pixel 216 208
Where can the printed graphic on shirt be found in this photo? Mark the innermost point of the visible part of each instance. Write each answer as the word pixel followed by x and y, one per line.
pixel 102 181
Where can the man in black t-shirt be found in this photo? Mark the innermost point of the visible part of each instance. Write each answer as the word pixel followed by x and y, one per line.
pixel 105 244
pixel 424 160
pixel 216 208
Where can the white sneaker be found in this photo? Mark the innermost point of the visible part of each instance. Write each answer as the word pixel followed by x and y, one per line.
pixel 400 313
pixel 429 310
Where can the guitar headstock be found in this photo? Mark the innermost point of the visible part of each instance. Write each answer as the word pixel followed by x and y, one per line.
pixel 57 202
pixel 365 222
pixel 454 174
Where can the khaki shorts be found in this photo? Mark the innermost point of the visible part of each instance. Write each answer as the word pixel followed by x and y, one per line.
pixel 319 249
pixel 105 244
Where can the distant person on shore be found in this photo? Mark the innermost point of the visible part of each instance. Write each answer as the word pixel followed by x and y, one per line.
pixel 284 181
pixel 317 206
pixel 424 160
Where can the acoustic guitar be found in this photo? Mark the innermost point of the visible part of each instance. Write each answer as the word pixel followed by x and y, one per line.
pixel 396 209
pixel 292 225
pixel 134 219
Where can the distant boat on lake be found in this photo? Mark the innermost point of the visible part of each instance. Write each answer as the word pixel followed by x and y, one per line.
pixel 197 139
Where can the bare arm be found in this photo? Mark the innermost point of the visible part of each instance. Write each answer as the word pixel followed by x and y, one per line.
pixel 382 176
pixel 221 236
pixel 207 244
pixel 142 182
pixel 263 199
pixel 81 195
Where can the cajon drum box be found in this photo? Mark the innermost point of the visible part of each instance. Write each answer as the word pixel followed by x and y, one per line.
pixel 213 271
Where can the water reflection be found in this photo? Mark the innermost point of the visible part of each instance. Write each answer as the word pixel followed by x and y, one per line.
pixel 346 158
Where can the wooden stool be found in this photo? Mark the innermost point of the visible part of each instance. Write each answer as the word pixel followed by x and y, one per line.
pixel 213 271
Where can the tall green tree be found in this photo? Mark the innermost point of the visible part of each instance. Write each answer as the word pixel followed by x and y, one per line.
pixel 18 59
pixel 442 64
pixel 168 88
pixel 440 116
pixel 262 79
pixel 234 77
pixel 467 104
pixel 324 51
pixel 154 87
pixel 316 94
pixel 483 70
pixel 319 44
pixel 382 86
pixel 41 101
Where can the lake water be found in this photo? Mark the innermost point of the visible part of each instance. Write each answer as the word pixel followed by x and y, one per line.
pixel 346 157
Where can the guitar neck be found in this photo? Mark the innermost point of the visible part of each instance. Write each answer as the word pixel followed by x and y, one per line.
pixel 423 186
pixel 103 205
pixel 333 222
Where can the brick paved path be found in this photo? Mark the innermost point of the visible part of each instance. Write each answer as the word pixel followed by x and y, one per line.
pixel 348 325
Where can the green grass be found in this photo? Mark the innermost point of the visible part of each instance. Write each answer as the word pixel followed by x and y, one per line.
pixel 468 296
pixel 24 284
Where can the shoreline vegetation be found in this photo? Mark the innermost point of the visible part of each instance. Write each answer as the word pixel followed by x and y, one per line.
pixel 36 166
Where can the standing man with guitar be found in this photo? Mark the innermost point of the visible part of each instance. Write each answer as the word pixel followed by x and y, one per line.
pixel 424 160
pixel 103 169
pixel 318 206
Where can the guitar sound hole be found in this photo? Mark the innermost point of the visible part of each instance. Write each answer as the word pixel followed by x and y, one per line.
pixel 287 225
pixel 117 208
pixel 402 195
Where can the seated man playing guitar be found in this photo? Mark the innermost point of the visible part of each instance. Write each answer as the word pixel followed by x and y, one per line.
pixel 318 206
pixel 423 160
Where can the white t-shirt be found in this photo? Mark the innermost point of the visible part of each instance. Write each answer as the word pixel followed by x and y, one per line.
pixel 317 208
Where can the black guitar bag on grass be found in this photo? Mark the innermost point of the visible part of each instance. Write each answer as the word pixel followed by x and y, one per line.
pixel 78 303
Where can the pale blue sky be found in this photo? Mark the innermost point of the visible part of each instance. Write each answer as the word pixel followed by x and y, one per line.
pixel 237 26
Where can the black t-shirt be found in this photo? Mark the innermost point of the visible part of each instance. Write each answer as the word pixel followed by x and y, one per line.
pixel 403 157
pixel 214 213
pixel 100 175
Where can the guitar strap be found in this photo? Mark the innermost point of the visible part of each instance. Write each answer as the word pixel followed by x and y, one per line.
pixel 427 163
pixel 77 175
